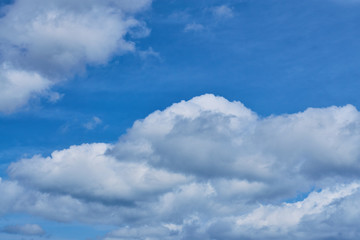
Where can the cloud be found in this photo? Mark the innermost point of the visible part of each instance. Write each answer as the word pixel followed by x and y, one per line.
pixel 47 42
pixel 211 137
pixel 27 230
pixel 86 172
pixel 10 191
pixel 319 216
pixel 145 232
pixel 149 53
pixel 193 27
pixel 223 11
pixel 93 123
pixel 205 168
pixel 17 87
pixel 290 214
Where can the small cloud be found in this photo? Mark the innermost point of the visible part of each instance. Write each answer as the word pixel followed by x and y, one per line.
pixel 140 31
pixel 53 97
pixel 223 11
pixel 93 123
pixel 149 53
pixel 193 27
pixel 179 17
pixel 27 230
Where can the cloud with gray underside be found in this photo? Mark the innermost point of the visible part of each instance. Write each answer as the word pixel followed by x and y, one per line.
pixel 205 168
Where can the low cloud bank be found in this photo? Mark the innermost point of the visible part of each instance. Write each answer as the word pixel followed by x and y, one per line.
pixel 205 168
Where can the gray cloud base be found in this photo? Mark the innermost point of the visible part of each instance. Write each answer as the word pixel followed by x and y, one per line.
pixel 26 230
pixel 205 168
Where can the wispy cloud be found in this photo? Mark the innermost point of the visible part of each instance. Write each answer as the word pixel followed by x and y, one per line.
pixel 223 11
pixel 93 123
pixel 193 27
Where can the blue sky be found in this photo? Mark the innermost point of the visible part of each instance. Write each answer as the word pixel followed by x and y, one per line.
pixel 83 72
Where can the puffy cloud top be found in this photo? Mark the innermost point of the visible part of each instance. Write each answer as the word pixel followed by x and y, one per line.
pixel 87 172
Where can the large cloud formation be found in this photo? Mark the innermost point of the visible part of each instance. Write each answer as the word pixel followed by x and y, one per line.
pixel 44 42
pixel 202 169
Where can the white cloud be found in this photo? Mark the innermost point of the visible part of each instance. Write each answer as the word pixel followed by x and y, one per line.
pixel 53 40
pixel 223 11
pixel 149 53
pixel 211 137
pixel 18 86
pixel 290 214
pixel 200 169
pixel 10 192
pixel 93 123
pixel 86 172
pixel 193 27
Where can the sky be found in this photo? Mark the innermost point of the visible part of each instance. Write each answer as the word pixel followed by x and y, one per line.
pixel 179 119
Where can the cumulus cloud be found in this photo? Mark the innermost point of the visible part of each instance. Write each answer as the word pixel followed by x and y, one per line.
pixel 18 86
pixel 290 214
pixel 205 168
pixel 27 230
pixel 86 172
pixel 47 42
pixel 10 191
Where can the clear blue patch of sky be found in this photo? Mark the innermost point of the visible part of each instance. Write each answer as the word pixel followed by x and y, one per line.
pixel 301 196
